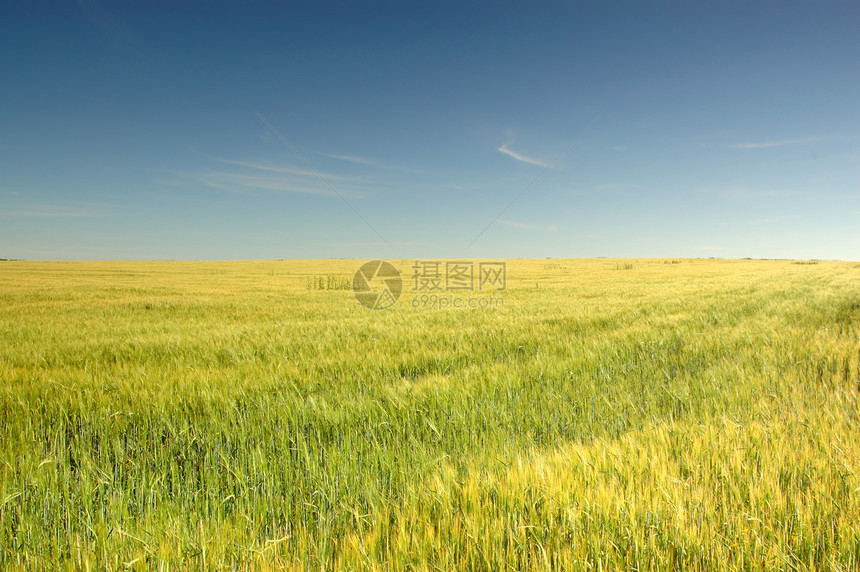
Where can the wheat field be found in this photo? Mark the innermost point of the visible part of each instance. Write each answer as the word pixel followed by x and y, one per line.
pixel 646 414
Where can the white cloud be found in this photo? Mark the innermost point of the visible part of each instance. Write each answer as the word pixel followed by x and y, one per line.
pixel 282 169
pixel 763 145
pixel 520 157
pixel 744 193
pixel 353 159
pixel 779 142
pixel 256 176
pixel 244 183
pixel 551 228
pixel 364 161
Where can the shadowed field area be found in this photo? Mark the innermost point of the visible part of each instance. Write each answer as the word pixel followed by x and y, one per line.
pixel 617 414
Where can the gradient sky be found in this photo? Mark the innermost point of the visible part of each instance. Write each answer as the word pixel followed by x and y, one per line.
pixel 206 130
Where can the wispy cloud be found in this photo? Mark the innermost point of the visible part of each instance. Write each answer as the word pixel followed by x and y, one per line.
pixel 242 183
pixel 551 228
pixel 353 159
pixel 258 176
pixel 520 157
pixel 50 211
pixel 258 166
pixel 366 162
pixel 357 160
pixel 778 142
pixel 763 145
pixel 744 193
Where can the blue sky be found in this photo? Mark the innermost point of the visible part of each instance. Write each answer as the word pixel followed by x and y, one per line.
pixel 206 130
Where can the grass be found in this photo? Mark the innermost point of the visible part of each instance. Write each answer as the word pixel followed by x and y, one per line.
pixel 689 414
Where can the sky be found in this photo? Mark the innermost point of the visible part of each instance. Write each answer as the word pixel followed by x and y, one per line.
pixel 404 129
